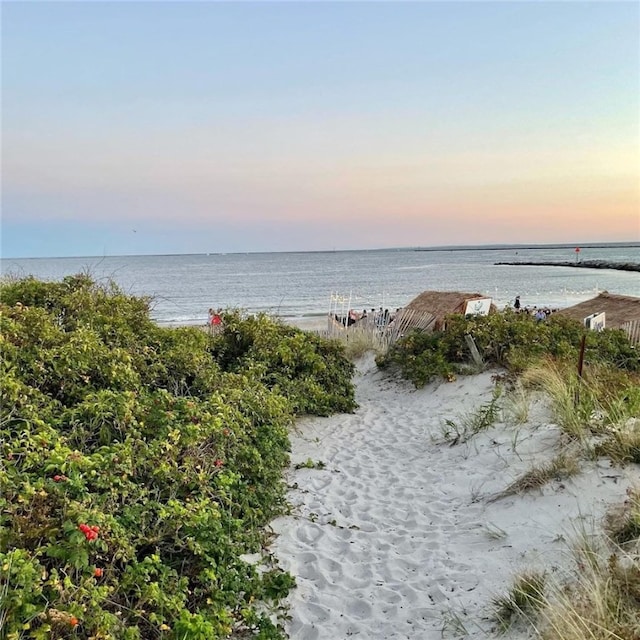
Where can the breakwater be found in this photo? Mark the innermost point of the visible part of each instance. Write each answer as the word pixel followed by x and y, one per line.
pixel 586 264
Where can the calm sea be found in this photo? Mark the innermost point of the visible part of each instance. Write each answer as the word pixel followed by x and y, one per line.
pixel 303 285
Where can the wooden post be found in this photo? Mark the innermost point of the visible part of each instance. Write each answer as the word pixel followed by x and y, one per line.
pixel 580 365
pixel 475 354
pixel 581 358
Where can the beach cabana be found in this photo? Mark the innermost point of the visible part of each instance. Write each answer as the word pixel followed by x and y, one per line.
pixel 621 312
pixel 438 305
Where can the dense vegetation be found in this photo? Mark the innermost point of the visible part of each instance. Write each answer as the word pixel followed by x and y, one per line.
pixel 140 464
pixel 512 340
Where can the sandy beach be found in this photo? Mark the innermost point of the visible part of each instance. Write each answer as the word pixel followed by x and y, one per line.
pixel 396 533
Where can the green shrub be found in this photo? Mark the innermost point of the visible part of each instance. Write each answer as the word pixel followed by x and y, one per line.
pixel 420 357
pixel 313 373
pixel 507 339
pixel 139 464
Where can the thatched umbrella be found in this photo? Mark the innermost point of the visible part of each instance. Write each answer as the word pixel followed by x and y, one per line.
pixel 440 304
pixel 618 309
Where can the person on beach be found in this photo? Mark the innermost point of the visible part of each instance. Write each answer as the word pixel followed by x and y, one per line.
pixel 516 304
pixel 215 320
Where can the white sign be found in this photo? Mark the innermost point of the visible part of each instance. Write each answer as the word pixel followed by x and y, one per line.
pixel 478 307
pixel 595 321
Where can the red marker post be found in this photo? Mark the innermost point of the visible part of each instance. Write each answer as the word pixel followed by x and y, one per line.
pixel 577 254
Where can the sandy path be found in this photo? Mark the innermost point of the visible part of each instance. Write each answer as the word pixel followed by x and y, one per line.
pixel 395 538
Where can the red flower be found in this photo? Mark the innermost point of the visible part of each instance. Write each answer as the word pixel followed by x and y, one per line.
pixel 218 462
pixel 73 621
pixel 59 478
pixel 98 572
pixel 90 533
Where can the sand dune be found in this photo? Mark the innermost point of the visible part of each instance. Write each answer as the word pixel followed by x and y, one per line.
pixel 397 536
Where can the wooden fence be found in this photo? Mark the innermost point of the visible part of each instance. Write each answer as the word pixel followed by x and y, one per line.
pixel 407 320
pixel 632 329
pixel 378 335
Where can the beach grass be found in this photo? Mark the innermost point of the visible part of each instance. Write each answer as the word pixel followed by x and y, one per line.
pixel 623 524
pixel 521 602
pixel 601 602
pixel 473 422
pixel 599 409
pixel 517 404
pixel 562 466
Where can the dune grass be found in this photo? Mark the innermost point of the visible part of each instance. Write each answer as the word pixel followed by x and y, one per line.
pixel 599 412
pixel 622 443
pixel 604 403
pixel 561 467
pixel 473 422
pixel 516 404
pixel 599 601
pixel 623 525
pixel 524 598
pixel 602 602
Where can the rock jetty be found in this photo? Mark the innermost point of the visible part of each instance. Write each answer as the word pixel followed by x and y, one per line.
pixel 585 264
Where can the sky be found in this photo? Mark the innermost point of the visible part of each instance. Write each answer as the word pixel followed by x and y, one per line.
pixel 207 127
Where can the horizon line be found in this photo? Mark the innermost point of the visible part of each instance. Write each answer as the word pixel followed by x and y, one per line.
pixel 468 247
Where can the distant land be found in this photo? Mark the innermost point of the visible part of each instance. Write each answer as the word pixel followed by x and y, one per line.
pixel 502 247
pixel 476 247
pixel 586 264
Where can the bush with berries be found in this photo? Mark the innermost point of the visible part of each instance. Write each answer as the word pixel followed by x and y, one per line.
pixel 140 464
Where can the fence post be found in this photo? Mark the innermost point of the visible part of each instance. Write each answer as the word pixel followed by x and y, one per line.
pixel 475 354
pixel 583 342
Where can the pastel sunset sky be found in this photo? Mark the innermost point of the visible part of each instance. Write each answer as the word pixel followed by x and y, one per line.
pixel 188 127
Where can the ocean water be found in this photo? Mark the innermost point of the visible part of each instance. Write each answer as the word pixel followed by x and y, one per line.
pixel 306 285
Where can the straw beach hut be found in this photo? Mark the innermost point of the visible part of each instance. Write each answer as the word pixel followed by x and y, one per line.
pixel 438 305
pixel 618 309
pixel 621 312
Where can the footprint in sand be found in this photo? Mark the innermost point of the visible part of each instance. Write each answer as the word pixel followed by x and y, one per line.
pixel 301 630
pixel 317 614
pixel 318 482
pixel 329 566
pixel 359 609
pixel 309 533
